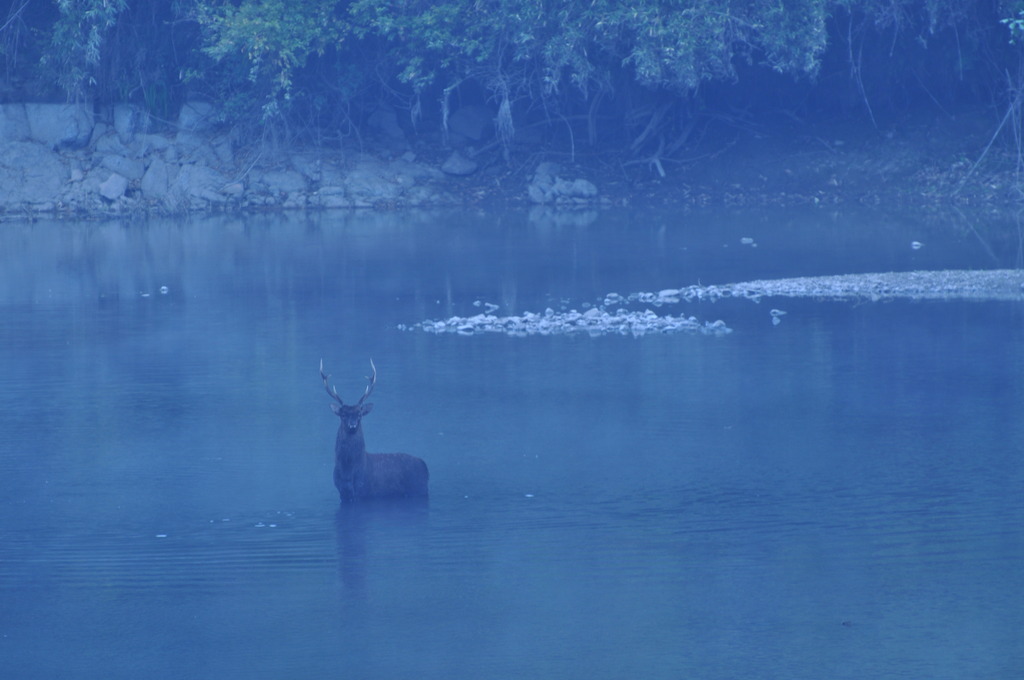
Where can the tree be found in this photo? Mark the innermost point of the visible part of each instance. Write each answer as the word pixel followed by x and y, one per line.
pixel 272 41
pixel 77 41
pixel 299 63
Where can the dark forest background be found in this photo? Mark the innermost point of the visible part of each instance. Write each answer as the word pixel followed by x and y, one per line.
pixel 636 76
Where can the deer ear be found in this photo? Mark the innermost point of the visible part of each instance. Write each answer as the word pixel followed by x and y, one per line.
pixel 366 408
pixel 336 408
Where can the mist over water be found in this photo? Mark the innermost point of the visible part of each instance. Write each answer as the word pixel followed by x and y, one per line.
pixel 836 495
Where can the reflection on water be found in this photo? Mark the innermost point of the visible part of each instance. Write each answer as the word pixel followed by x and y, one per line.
pixel 837 495
pixel 374 522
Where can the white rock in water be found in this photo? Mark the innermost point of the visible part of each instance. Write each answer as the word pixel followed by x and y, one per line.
pixel 668 296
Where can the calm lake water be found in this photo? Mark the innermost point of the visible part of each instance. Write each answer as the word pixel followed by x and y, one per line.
pixel 840 495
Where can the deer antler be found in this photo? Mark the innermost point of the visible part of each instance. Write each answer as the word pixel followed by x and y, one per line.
pixel 369 388
pixel 330 390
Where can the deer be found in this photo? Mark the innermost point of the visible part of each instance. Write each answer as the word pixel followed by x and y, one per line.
pixel 359 475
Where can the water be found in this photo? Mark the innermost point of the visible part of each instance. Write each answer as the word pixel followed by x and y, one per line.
pixel 836 496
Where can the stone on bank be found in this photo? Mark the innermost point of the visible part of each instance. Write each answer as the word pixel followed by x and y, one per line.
pixel 114 187
pixel 30 175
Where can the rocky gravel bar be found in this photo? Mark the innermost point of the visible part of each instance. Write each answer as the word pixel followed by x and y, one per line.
pixel 976 285
pixel 990 285
pixel 592 322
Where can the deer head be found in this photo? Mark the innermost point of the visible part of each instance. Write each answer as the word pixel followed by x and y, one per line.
pixel 350 415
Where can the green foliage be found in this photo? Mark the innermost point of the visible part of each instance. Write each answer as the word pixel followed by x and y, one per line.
pixel 272 39
pixel 1016 27
pixel 668 43
pixel 77 41
pixel 428 40
pixel 273 60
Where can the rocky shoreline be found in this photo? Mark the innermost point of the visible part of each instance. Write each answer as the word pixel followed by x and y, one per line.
pixel 58 159
pixel 61 160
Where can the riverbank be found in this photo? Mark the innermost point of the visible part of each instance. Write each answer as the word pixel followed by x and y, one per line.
pixel 59 160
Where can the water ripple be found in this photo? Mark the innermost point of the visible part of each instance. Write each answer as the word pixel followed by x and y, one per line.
pixel 192 557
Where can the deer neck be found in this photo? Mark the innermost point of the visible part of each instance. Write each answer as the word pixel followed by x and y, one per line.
pixel 350 449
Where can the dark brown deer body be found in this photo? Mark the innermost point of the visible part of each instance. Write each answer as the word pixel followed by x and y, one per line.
pixel 359 475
